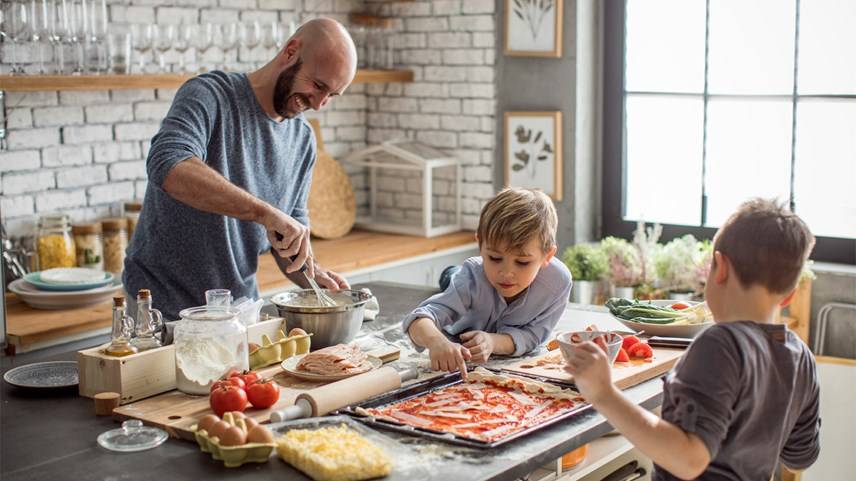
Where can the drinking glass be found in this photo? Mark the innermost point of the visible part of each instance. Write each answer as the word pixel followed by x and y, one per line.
pixel 203 40
pixel 96 21
pixel 164 36
pixel 119 52
pixel 18 32
pixel 141 38
pixel 181 44
pixel 55 35
pixel 77 33
pixel 251 37
pixel 227 40
pixel 41 29
pixel 218 297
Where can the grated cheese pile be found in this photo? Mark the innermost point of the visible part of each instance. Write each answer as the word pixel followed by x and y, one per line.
pixel 333 454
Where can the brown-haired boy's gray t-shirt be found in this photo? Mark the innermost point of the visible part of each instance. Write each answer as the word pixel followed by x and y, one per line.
pixel 750 392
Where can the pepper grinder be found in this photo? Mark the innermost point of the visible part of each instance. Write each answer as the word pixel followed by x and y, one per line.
pixel 123 329
pixel 149 322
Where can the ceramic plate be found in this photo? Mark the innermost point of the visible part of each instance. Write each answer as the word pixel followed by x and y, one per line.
pixel 71 275
pixel 35 278
pixel 43 375
pixel 666 330
pixel 39 299
pixel 290 367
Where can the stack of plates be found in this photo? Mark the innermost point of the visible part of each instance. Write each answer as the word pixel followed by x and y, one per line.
pixel 62 288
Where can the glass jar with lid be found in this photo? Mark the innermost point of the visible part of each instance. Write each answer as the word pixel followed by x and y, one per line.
pixel 132 213
pixel 54 242
pixel 209 341
pixel 89 245
pixel 115 243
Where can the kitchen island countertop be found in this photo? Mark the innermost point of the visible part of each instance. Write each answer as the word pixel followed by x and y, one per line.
pixel 52 437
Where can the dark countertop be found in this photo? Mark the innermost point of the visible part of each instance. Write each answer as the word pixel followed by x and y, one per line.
pixel 52 436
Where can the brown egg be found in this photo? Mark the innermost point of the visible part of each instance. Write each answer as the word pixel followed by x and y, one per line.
pixel 207 421
pixel 233 437
pixel 296 332
pixel 260 434
pixel 218 428
pixel 251 423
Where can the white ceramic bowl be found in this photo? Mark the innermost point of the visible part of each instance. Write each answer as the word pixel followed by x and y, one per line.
pixel 688 331
pixel 567 346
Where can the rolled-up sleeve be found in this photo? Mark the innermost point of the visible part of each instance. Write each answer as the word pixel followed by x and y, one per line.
pixel 446 307
pixel 185 131
pixel 803 445
pixel 528 336
pixel 698 402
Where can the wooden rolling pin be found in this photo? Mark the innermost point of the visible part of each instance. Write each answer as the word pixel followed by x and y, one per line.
pixel 327 398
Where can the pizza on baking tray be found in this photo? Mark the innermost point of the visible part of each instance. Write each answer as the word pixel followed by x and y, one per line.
pixel 486 407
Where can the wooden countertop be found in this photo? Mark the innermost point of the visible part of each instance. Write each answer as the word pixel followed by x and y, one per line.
pixel 358 250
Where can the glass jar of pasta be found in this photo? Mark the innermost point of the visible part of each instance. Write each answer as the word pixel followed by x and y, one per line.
pixel 115 243
pixel 89 245
pixel 132 213
pixel 54 242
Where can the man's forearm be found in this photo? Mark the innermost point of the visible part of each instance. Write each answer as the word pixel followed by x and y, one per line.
pixel 201 187
pixel 296 277
pixel 682 454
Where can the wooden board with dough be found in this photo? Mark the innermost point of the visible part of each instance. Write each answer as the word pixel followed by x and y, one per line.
pixel 624 374
pixel 175 412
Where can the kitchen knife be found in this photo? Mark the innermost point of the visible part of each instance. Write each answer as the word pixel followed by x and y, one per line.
pixel 657 341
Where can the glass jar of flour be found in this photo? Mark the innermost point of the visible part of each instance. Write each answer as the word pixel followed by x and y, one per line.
pixel 209 341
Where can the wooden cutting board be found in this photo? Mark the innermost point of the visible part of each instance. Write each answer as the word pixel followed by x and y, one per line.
pixel 624 374
pixel 175 412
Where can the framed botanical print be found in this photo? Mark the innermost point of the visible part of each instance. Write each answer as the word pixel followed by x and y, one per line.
pixel 533 28
pixel 533 151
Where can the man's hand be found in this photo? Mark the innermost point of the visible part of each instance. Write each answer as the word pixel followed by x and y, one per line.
pixel 480 344
pixel 288 238
pixel 590 368
pixel 331 280
pixel 448 356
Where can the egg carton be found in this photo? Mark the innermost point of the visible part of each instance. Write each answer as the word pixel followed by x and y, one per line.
pixel 232 456
pixel 274 352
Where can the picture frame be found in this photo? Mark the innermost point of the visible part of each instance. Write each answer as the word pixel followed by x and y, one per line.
pixel 533 28
pixel 533 151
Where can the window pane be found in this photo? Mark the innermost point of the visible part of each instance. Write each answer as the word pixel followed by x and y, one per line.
pixel 664 144
pixel 827 64
pixel 748 154
pixel 665 46
pixel 825 190
pixel 751 47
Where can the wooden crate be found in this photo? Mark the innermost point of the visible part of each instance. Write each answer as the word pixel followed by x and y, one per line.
pixel 144 374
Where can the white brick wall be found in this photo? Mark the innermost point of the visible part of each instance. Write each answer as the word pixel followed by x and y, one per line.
pixel 84 152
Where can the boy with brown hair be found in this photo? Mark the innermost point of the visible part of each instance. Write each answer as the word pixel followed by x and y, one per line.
pixel 505 301
pixel 745 394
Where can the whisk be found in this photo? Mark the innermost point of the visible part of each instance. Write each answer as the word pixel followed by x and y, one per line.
pixel 324 300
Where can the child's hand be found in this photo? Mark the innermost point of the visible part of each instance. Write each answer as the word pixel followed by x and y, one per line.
pixel 590 368
pixel 480 345
pixel 449 356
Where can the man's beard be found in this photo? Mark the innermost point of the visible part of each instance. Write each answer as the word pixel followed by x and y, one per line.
pixel 282 91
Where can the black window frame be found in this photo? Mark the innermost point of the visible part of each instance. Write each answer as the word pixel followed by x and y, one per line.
pixel 614 181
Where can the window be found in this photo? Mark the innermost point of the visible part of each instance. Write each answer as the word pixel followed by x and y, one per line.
pixel 709 103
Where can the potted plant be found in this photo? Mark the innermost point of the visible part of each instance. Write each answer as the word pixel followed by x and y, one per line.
pixel 645 241
pixel 682 267
pixel 588 264
pixel 624 268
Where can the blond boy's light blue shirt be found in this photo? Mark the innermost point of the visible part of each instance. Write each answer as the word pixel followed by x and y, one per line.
pixel 471 303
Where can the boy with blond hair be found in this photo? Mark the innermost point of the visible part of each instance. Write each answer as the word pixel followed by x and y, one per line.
pixel 505 301
pixel 745 394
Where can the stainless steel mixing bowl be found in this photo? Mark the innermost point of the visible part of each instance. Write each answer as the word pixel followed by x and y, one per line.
pixel 328 325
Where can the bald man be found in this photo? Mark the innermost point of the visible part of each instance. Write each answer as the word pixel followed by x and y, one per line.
pixel 229 175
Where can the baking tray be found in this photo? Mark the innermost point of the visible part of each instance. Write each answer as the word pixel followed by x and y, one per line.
pixel 430 385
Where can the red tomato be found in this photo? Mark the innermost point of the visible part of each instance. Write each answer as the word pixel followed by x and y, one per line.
pixel 228 398
pixel 622 356
pixel 232 373
pixel 250 377
pixel 231 381
pixel 629 341
pixel 641 350
pixel 263 394
pixel 679 306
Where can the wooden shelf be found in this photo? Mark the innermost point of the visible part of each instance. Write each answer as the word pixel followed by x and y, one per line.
pixel 38 83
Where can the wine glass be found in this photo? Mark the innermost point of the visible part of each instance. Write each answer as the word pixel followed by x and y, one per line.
pixel 164 37
pixel 203 40
pixel 40 29
pixel 227 40
pixel 274 37
pixel 77 34
pixel 141 38
pixel 55 34
pixel 18 32
pixel 97 35
pixel 251 37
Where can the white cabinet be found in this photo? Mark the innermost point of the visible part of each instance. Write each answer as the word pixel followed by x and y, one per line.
pixel 422 270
